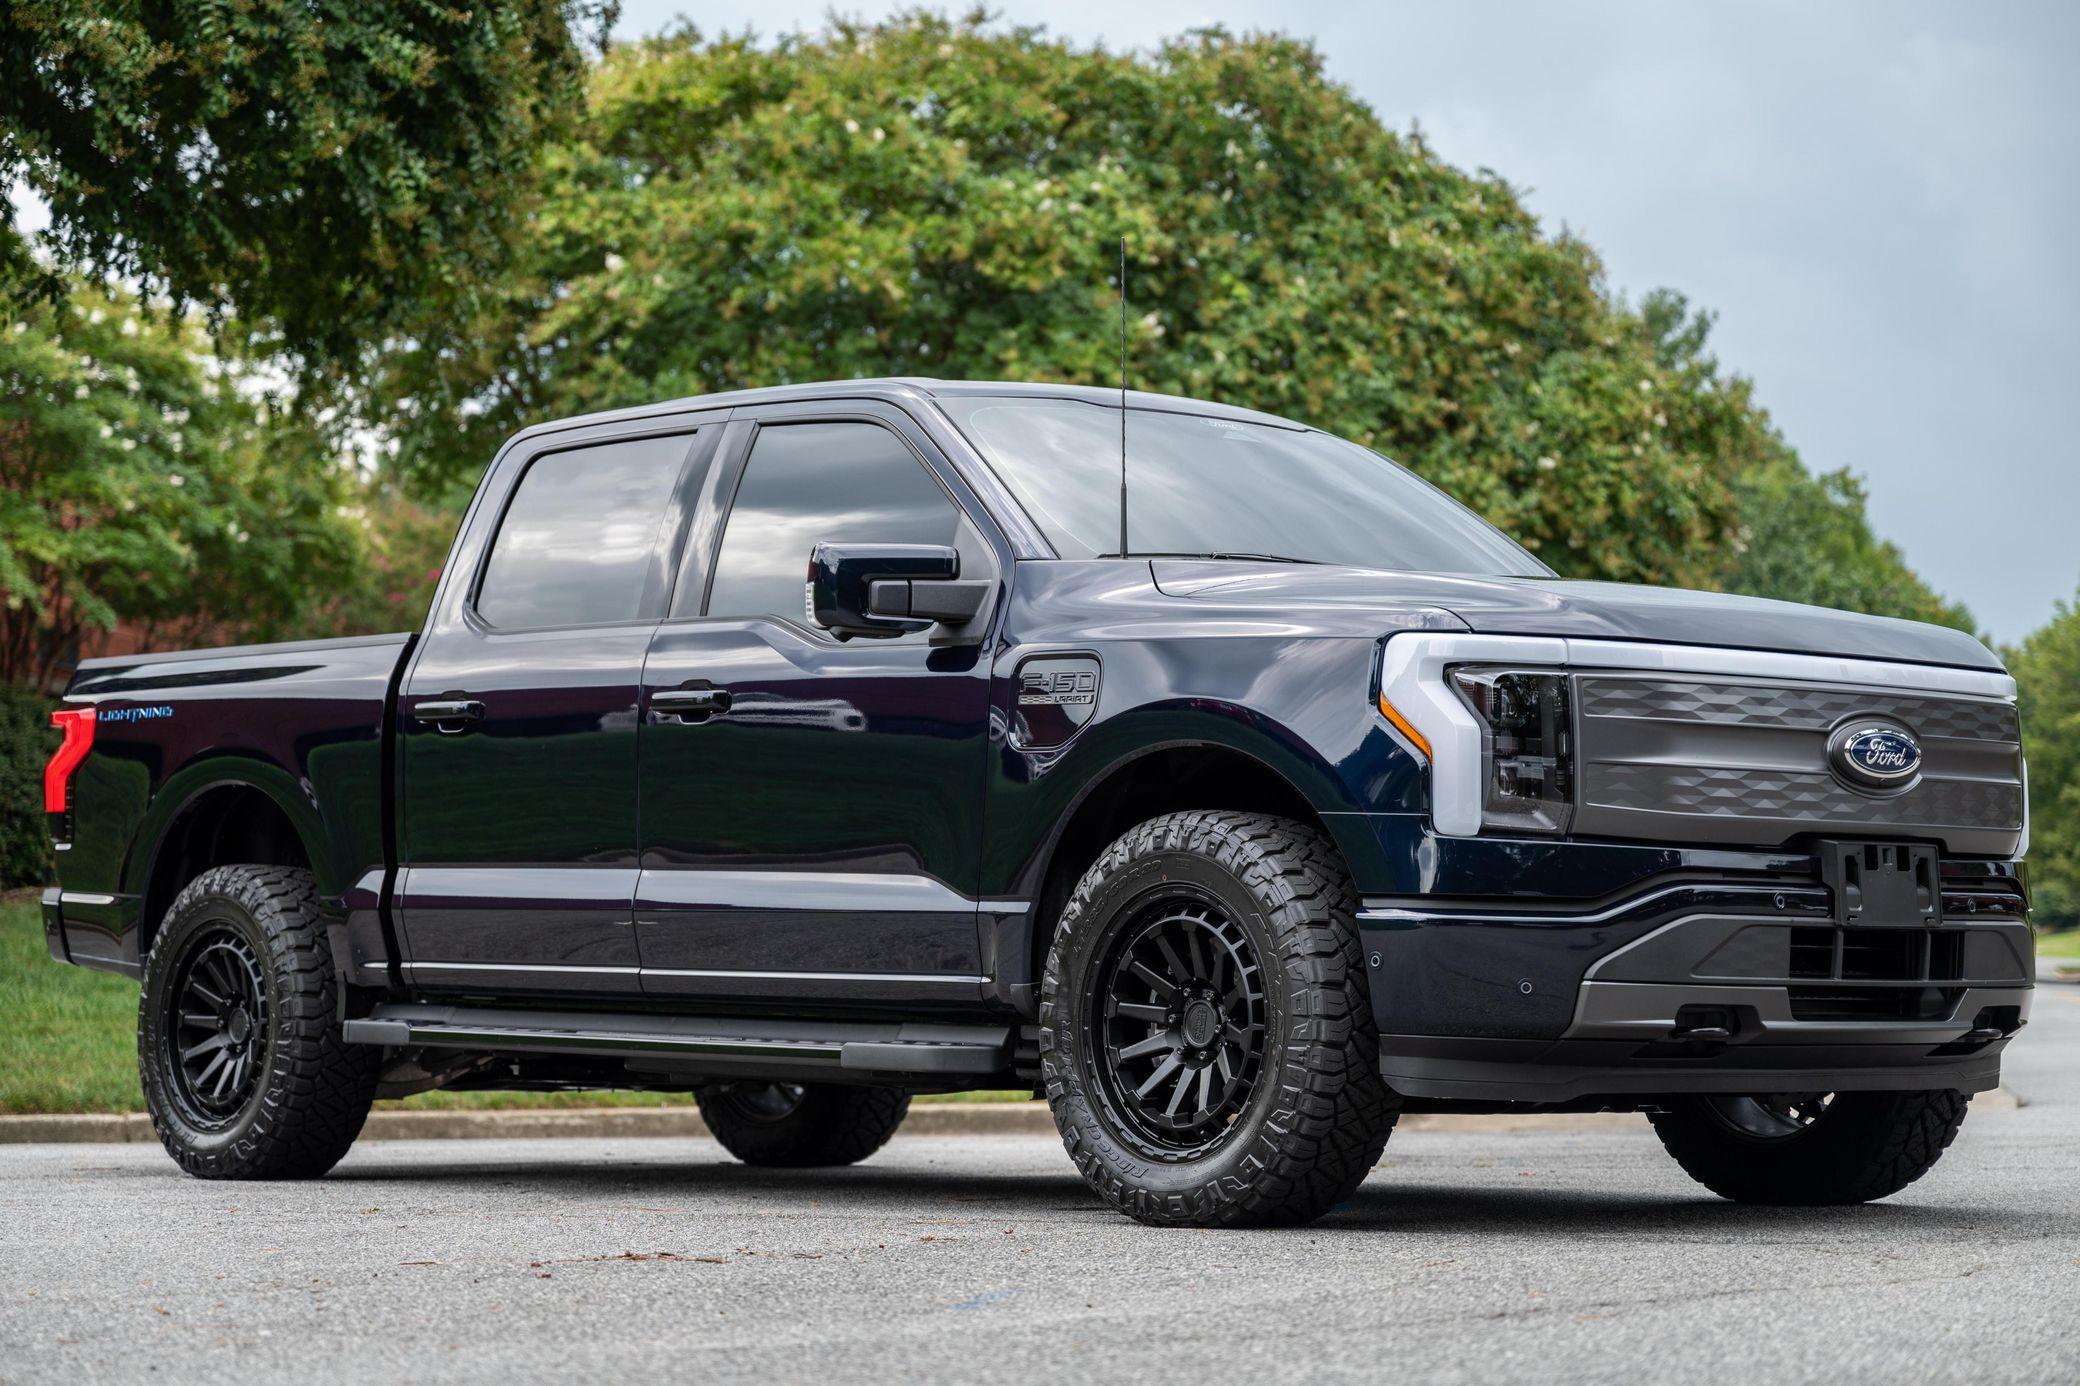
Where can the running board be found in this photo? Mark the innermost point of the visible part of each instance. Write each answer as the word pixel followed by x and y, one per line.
pixel 702 1042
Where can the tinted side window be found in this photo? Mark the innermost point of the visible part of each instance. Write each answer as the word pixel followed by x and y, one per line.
pixel 807 483
pixel 580 540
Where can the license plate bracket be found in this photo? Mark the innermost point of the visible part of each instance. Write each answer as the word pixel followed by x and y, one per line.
pixel 1883 883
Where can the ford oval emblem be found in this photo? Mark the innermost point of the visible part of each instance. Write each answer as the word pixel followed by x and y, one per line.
pixel 1874 755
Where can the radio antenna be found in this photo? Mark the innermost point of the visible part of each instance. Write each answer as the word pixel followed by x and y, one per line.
pixel 1123 551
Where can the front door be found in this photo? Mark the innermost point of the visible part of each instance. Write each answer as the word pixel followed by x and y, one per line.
pixel 517 718
pixel 811 808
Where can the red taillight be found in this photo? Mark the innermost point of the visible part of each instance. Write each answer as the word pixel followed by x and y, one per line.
pixel 78 725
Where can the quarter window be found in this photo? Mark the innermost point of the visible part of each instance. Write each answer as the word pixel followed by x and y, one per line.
pixel 581 539
pixel 806 484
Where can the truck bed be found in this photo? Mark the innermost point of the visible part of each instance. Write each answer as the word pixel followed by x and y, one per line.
pixel 183 736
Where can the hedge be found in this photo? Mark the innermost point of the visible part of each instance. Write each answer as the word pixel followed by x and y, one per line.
pixel 26 741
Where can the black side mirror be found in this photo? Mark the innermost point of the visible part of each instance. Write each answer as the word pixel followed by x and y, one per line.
pixel 877 591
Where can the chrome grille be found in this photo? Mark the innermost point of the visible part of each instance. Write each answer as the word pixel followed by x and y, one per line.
pixel 1746 762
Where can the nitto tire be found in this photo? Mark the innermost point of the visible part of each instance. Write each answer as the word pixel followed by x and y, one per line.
pixel 789 1126
pixel 1861 1146
pixel 245 1073
pixel 1205 1034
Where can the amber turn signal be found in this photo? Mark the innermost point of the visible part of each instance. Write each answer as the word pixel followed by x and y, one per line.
pixel 1405 727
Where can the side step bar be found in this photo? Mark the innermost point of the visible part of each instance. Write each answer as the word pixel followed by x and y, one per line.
pixel 695 1043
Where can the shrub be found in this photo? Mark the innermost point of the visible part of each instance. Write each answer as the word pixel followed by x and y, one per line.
pixel 26 740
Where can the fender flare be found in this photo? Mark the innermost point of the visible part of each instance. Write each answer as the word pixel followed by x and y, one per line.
pixel 186 789
pixel 1223 726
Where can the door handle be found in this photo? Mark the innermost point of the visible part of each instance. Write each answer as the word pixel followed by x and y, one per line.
pixel 691 702
pixel 448 714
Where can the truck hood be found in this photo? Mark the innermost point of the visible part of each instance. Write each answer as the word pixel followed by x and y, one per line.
pixel 1583 610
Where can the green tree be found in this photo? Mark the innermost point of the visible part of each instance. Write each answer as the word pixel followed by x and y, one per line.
pixel 404 545
pixel 944 197
pixel 1806 538
pixel 312 163
pixel 1802 538
pixel 2047 669
pixel 145 482
pixel 26 742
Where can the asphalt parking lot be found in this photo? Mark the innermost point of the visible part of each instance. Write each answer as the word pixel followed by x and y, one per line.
pixel 1555 1255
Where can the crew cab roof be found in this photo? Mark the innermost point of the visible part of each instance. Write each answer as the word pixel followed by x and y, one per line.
pixel 908 389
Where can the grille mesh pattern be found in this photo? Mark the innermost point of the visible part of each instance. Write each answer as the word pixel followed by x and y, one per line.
pixel 1814 709
pixel 1818 797
pixel 1712 760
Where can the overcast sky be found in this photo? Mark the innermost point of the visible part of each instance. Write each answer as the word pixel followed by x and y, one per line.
pixel 1881 201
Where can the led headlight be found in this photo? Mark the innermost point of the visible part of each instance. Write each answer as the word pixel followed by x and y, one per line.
pixel 1527 746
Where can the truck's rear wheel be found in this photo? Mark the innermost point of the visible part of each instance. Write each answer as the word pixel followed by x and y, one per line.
pixel 1205 1035
pixel 1810 1149
pixel 245 1073
pixel 801 1126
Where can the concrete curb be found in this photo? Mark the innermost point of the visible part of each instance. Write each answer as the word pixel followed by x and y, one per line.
pixel 80 1128
pixel 925 1119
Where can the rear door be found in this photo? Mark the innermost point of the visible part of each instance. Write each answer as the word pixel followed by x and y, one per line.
pixel 517 719
pixel 812 826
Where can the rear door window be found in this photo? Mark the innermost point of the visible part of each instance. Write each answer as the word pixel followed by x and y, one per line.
pixel 584 536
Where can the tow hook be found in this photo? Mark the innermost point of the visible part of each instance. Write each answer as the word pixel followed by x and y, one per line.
pixel 1704 1025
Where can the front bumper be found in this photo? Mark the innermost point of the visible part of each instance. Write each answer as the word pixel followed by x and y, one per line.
pixel 1745 983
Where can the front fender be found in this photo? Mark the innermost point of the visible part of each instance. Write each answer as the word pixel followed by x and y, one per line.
pixel 1304 708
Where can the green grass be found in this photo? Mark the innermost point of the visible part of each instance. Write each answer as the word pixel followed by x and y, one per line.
pixel 2063 946
pixel 68 1040
pixel 66 1034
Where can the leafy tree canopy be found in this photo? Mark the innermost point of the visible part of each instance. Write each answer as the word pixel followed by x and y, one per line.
pixel 1802 538
pixel 312 163
pixel 1806 538
pixel 2047 669
pixel 142 482
pixel 945 198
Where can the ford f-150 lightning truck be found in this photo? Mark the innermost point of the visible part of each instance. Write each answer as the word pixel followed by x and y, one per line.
pixel 809 748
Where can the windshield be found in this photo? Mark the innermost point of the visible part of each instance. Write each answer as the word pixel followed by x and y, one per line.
pixel 1201 485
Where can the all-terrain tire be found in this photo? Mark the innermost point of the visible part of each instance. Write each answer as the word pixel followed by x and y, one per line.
pixel 309 1090
pixel 789 1127
pixel 1316 1119
pixel 1864 1146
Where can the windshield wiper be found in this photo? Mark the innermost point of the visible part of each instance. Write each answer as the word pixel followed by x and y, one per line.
pixel 1246 557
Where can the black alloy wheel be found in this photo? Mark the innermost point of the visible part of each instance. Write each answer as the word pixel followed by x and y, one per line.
pixel 1769 1116
pixel 1809 1149
pixel 246 1072
pixel 219 1029
pixel 760 1102
pixel 801 1125
pixel 1182 997
pixel 1205 1033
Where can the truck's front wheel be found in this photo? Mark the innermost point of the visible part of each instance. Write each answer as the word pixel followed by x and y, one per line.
pixel 1205 1035
pixel 1810 1149
pixel 245 1073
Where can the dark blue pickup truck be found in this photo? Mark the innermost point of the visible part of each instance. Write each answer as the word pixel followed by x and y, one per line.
pixel 809 748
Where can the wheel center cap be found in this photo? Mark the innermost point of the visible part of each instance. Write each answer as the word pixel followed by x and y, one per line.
pixel 1201 1023
pixel 239 1026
